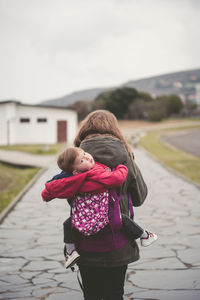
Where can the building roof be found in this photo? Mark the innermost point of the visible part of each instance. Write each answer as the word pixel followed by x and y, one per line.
pixel 10 101
pixel 34 105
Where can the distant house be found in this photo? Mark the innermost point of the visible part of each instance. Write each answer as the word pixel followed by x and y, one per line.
pixel 198 94
pixel 36 124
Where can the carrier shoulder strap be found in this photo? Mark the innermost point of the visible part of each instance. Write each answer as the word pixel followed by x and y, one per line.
pixel 130 202
pixel 131 211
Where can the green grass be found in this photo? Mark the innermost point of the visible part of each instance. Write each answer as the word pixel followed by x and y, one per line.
pixel 12 180
pixel 183 163
pixel 35 149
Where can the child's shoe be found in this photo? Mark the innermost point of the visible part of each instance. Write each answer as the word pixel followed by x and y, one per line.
pixel 71 259
pixel 146 241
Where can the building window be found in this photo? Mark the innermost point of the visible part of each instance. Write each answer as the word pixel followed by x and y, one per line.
pixel 41 120
pixel 24 120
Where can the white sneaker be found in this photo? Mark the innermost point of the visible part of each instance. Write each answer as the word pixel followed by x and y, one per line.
pixel 152 237
pixel 71 259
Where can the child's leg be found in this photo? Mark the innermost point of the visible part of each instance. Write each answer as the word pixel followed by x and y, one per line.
pixel 69 243
pixel 71 255
pixel 67 231
pixel 132 229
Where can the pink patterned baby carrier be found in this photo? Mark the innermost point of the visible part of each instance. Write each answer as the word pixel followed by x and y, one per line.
pixel 111 236
pixel 90 212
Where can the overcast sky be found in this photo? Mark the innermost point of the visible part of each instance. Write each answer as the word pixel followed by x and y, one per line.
pixel 50 48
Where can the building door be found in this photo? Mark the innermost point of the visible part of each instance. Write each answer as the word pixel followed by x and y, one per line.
pixel 61 131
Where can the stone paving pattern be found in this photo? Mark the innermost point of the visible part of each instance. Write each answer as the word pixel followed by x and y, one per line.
pixel 31 246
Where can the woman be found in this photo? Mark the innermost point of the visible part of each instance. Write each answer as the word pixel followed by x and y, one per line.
pixel 103 274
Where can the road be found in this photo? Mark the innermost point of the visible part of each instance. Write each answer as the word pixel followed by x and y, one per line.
pixel 186 140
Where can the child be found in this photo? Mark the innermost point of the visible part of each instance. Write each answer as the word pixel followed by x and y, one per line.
pixel 88 176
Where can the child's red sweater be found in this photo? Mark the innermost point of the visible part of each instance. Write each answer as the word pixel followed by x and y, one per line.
pixel 98 179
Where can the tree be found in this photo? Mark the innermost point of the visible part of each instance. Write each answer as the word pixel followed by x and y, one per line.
pixel 83 108
pixel 138 109
pixel 172 104
pixel 117 101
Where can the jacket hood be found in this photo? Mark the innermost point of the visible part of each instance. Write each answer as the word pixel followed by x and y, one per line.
pixel 109 151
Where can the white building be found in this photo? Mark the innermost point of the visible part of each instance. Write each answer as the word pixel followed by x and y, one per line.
pixel 198 94
pixel 35 124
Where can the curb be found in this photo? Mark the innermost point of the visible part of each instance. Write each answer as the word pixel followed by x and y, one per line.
pixel 10 207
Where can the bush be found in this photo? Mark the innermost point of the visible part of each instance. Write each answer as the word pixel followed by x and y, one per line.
pixel 171 104
pixel 138 109
pixel 155 116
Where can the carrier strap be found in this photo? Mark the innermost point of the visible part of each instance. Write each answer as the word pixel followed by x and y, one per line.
pixel 130 202
pixel 130 206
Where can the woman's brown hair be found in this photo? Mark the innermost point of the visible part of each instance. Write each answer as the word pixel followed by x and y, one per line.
pixel 100 122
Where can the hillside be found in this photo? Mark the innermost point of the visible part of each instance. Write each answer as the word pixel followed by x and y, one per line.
pixel 84 95
pixel 179 83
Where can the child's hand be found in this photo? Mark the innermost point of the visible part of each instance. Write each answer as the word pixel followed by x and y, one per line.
pixel 45 200
pixel 46 196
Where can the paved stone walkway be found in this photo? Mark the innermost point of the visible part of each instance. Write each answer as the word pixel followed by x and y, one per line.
pixel 26 159
pixel 31 259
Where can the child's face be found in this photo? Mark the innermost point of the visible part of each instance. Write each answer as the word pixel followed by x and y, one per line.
pixel 83 162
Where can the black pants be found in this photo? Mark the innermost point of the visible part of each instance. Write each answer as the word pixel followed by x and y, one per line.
pixel 103 283
pixel 132 229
